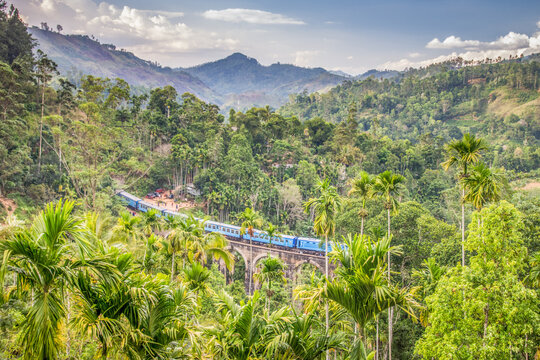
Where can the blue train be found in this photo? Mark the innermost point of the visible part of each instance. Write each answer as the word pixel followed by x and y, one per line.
pixel 232 231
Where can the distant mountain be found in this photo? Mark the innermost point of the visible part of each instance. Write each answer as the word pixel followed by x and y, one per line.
pixel 245 82
pixel 340 73
pixel 78 55
pixel 378 74
pixel 234 82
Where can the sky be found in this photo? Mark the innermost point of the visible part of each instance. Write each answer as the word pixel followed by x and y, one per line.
pixel 348 35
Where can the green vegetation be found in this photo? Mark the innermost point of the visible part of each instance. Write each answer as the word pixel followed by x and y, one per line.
pixel 389 168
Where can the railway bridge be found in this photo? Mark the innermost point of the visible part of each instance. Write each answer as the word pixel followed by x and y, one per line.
pixel 292 258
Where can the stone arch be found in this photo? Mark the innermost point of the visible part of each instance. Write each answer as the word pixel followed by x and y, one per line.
pixel 237 250
pixel 299 263
pixel 257 259
pixel 261 256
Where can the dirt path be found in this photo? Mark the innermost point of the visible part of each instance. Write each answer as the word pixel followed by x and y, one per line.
pixel 169 204
pixel 531 186
pixel 8 204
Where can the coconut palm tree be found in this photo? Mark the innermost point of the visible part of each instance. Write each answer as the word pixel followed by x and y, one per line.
pixel 250 220
pixel 464 153
pixel 388 186
pixel 361 287
pixel 484 185
pixel 45 258
pixel 270 269
pixel 325 208
pixel 361 187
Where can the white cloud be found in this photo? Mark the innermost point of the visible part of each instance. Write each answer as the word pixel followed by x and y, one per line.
pixel 505 46
pixel 510 41
pixel 145 32
pixel 251 16
pixel 451 42
pixel 305 57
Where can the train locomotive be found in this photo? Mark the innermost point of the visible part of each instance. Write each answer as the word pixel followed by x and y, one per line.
pixel 232 231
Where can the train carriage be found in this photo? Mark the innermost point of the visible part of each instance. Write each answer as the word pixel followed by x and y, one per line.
pixel 233 231
pixel 131 200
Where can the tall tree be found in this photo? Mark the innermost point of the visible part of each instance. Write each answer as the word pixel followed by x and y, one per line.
pixel 250 221
pixel 388 186
pixel 272 232
pixel 270 269
pixel 499 316
pixel 45 69
pixel 362 188
pixel 464 153
pixel 360 286
pixel 484 185
pixel 181 232
pixel 325 209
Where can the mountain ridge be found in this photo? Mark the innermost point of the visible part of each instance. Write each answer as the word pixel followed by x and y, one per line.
pixel 236 81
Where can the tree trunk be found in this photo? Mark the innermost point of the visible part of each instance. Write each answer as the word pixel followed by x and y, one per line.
pixel 172 267
pixel 377 341
pixel 390 310
pixel 362 228
pixel 463 227
pixel 250 263
pixel 326 275
pixel 68 318
pixel 41 127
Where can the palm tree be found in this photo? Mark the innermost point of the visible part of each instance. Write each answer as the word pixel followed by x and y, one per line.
pixel 126 229
pixel 427 278
pixel 325 208
pixel 272 232
pixel 298 339
pixel 44 258
pixel 360 286
pixel 250 220
pixel 183 231
pixel 361 188
pixel 239 332
pixel 270 269
pixel 151 221
pixel 311 294
pixel 484 185
pixel 463 153
pixel 196 276
pixel 388 186
pixel 209 244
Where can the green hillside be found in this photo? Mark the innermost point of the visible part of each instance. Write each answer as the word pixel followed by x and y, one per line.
pixel 235 82
pixel 499 100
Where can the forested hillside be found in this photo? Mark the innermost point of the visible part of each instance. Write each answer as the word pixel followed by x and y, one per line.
pixel 496 99
pixel 235 82
pixel 427 186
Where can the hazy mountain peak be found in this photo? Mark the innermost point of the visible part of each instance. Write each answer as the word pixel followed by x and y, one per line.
pixel 237 81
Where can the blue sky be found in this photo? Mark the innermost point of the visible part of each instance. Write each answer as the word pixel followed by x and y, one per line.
pixel 352 36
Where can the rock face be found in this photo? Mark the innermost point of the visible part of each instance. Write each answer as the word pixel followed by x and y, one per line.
pixel 236 81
